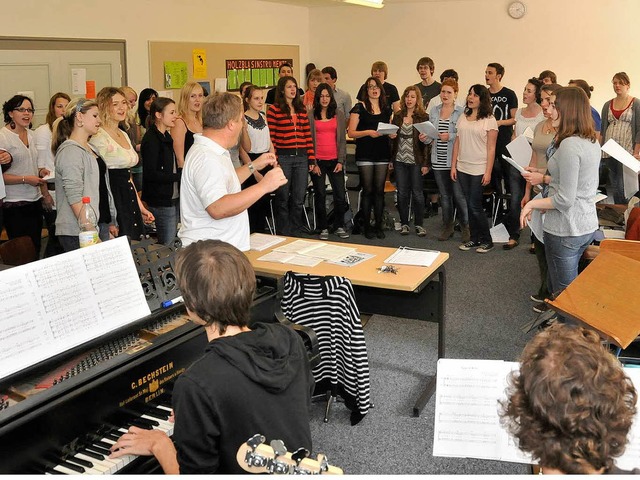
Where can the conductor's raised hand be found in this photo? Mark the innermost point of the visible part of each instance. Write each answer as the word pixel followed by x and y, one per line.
pixel 273 180
pixel 265 160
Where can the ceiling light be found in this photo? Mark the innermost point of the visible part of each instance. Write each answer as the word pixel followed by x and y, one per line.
pixel 366 3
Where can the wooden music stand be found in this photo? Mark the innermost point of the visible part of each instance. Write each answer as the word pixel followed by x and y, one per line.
pixel 605 296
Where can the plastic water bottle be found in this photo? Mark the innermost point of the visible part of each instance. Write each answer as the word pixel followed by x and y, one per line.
pixel 88 222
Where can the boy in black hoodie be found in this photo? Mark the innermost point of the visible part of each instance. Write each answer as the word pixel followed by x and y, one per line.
pixel 248 381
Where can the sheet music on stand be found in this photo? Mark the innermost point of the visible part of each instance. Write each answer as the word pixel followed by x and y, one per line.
pixel 413 256
pixel 467 422
pixel 55 304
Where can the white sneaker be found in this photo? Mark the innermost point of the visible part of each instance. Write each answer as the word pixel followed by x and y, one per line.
pixel 404 230
pixel 324 234
pixel 341 232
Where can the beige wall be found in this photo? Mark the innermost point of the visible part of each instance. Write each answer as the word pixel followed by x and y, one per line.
pixel 575 38
pixel 138 21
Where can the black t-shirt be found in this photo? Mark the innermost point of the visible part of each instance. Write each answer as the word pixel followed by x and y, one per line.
pixel 428 92
pixel 390 93
pixel 503 101
pixel 369 148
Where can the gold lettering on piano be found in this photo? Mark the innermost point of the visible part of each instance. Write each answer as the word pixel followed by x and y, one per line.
pixel 150 385
pixel 151 376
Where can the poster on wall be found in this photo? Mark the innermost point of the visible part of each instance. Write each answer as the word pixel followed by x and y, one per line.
pixel 199 63
pixel 260 72
pixel 206 86
pixel 175 74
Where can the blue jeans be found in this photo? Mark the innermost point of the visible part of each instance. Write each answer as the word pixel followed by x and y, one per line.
pixel 451 192
pixel 563 255
pixel 478 223
pixel 516 186
pixel 166 221
pixel 327 168
pixel 289 198
pixel 409 184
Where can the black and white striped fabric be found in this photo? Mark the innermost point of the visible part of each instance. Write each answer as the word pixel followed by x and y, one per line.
pixel 328 306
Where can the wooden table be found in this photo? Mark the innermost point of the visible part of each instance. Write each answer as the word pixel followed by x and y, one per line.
pixel 414 292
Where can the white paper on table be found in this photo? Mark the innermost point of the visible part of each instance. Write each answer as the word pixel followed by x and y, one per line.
pixel 386 128
pixel 328 252
pixel 290 258
pixel 427 128
pixel 412 256
pixel 520 151
pixel 262 241
pixel 353 259
pixel 499 234
pixel 299 246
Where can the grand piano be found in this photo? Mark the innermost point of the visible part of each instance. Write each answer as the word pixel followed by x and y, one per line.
pixel 61 415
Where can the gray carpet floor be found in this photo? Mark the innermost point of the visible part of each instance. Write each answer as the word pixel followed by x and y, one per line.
pixel 487 303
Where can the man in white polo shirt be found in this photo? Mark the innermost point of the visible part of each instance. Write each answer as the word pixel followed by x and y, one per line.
pixel 212 204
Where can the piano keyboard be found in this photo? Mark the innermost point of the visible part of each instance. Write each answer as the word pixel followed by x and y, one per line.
pixel 90 454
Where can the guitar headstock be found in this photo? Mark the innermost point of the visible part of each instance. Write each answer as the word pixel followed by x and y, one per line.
pixel 255 456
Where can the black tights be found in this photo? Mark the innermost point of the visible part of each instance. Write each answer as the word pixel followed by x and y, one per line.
pixel 372 180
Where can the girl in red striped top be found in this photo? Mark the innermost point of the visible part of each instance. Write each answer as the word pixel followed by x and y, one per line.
pixel 291 137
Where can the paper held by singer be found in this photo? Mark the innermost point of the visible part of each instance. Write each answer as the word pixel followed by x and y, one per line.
pixel 631 166
pixel 520 151
pixel 386 128
pixel 427 128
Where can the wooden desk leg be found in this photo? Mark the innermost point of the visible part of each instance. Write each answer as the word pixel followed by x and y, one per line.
pixel 431 380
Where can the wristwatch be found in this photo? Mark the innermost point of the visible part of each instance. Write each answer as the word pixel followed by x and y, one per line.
pixel 251 167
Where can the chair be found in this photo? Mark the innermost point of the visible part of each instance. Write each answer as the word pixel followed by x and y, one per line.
pixel 18 251
pixel 327 305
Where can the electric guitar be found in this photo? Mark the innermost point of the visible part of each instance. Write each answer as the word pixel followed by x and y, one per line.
pixel 254 456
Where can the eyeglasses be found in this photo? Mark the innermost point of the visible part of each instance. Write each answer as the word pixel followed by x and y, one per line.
pixel 373 87
pixel 23 110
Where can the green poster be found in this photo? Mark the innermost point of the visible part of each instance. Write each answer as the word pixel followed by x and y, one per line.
pixel 175 74
pixel 232 80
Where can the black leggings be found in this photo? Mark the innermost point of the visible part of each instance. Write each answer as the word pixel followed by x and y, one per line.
pixel 372 180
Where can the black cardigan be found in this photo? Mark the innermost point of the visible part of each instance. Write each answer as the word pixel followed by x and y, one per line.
pixel 158 161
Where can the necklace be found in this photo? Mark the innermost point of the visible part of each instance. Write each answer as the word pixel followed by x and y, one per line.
pixel 548 128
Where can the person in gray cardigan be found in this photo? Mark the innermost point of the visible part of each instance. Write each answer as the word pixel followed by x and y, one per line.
pixel 570 220
pixel 618 115
pixel 328 131
pixel 80 172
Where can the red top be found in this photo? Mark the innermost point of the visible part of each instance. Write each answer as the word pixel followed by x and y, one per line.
pixel 618 113
pixel 289 133
pixel 326 139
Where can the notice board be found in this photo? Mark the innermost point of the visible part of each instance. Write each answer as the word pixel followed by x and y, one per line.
pixel 217 58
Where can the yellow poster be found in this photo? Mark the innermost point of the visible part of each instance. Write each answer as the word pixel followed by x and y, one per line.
pixel 199 63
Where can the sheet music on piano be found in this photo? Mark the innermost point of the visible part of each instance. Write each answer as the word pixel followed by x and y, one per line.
pixel 55 304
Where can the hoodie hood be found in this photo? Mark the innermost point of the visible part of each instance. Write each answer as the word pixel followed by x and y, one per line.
pixel 268 355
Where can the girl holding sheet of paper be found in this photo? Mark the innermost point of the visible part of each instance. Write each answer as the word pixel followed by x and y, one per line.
pixel 472 162
pixel 409 159
pixel 372 152
pixel 621 122
pixel 571 219
pixel 444 117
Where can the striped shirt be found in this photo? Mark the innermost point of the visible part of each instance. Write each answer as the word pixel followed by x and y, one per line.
pixel 441 162
pixel 290 134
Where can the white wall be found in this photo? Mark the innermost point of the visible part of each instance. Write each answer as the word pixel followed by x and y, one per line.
pixel 138 21
pixel 586 39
